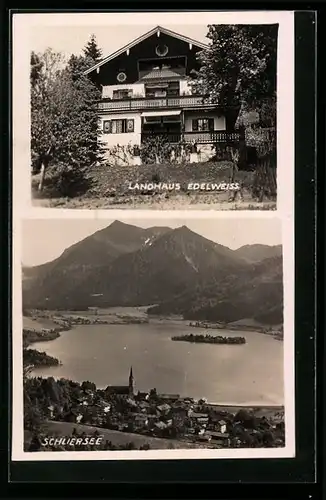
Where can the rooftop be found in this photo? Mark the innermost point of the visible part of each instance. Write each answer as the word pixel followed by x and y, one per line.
pixel 198 415
pixel 118 389
pixel 169 396
pixel 218 435
pixel 159 74
pixel 158 30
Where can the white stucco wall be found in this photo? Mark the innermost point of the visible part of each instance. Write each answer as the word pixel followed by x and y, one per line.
pixel 133 138
pixel 121 156
pixel 137 88
pixel 219 121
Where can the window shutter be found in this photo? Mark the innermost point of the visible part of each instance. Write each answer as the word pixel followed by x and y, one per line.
pixel 130 125
pixel 211 124
pixel 194 125
pixel 107 127
pixel 119 125
pixel 114 126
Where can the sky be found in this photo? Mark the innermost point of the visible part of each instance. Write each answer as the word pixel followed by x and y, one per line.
pixel 45 239
pixel 71 39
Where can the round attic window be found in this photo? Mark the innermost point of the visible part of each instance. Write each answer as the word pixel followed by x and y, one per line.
pixel 161 50
pixel 121 77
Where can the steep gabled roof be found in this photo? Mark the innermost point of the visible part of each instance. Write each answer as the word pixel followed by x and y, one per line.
pixel 141 39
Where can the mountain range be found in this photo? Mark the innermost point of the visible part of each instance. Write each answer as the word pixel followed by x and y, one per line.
pixel 176 269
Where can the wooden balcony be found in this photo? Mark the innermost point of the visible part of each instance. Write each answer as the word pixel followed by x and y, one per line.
pixel 210 137
pixel 194 137
pixel 191 102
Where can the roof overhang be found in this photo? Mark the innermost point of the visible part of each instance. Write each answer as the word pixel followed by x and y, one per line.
pixel 157 29
pixel 162 113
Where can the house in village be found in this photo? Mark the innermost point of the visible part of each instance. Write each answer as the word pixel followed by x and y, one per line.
pixel 169 397
pixel 221 426
pixel 141 396
pixel 199 418
pixel 204 438
pixel 146 93
pixel 219 438
pixel 164 408
pixel 140 419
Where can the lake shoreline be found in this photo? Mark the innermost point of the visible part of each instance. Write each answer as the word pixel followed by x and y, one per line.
pixel 66 320
pixel 165 328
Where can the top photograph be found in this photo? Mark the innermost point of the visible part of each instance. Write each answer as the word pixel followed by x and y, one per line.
pixel 163 117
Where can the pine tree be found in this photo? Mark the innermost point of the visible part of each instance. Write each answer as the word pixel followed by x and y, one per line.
pixel 92 50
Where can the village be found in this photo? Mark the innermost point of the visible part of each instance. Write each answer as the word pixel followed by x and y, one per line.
pixel 171 416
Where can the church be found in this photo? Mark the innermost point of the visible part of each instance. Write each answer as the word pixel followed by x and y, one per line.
pixel 123 390
pixel 146 93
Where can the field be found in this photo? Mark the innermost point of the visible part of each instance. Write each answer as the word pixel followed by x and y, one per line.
pixel 56 429
pixel 38 324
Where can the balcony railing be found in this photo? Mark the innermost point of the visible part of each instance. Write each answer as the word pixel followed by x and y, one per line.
pixel 154 103
pixel 210 137
pixel 194 137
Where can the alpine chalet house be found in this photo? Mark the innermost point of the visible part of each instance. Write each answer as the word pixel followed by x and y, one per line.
pixel 146 93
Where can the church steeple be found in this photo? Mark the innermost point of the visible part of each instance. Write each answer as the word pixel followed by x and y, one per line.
pixel 131 383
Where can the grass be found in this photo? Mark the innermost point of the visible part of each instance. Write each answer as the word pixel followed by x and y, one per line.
pixel 183 201
pixel 38 324
pixel 56 429
pixel 109 189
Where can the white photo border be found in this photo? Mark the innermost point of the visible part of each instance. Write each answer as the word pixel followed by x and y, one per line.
pixel 22 208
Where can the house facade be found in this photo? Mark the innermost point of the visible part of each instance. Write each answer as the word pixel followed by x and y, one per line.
pixel 146 94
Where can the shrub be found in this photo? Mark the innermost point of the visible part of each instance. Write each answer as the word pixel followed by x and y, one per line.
pixel 69 180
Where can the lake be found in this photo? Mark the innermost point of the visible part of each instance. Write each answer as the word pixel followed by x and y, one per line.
pixel 249 374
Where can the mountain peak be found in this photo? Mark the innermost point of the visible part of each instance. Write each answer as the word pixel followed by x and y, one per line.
pixel 118 223
pixel 183 230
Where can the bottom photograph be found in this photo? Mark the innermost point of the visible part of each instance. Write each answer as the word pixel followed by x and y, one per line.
pixel 152 334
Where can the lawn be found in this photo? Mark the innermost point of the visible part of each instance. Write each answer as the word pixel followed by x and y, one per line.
pixel 109 187
pixel 38 324
pixel 56 429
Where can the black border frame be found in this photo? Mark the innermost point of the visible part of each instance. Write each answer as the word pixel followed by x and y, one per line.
pixel 298 470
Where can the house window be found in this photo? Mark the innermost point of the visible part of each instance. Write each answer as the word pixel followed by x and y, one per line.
pixel 203 124
pixel 122 94
pixel 121 77
pixel 164 89
pixel 161 50
pixel 118 126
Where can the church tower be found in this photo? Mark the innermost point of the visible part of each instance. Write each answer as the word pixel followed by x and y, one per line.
pixel 131 383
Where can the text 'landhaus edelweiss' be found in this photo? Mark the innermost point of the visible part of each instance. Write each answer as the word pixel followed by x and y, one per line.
pixel 146 94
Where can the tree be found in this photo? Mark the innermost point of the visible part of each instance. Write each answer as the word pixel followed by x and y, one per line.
pixel 247 419
pixel 238 72
pixel 64 121
pixel 88 386
pixel 239 66
pixel 44 70
pixel 92 50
